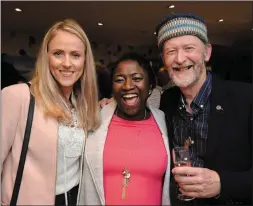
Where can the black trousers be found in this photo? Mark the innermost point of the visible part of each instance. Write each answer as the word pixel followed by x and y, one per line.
pixel 72 197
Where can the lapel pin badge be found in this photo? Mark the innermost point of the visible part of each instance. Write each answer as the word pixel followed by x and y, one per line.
pixel 219 108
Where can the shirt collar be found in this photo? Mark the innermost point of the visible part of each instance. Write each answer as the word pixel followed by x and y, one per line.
pixel 202 97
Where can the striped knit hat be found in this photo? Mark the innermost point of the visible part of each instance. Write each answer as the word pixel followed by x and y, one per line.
pixel 179 25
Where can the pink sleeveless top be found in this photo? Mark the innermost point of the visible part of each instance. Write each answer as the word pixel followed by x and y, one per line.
pixel 139 147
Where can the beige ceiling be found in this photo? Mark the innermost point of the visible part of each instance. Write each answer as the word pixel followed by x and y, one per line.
pixel 129 22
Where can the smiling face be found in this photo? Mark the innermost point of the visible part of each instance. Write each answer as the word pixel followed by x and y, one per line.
pixel 184 57
pixel 130 88
pixel 66 59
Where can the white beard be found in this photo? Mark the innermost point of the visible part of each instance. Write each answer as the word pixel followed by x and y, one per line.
pixel 187 77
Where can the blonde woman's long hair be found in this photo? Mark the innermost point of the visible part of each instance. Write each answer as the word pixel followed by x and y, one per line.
pixel 84 96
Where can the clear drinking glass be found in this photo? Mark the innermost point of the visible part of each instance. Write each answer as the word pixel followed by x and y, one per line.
pixel 181 158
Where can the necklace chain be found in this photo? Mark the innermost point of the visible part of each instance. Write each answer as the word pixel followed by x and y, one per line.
pixel 145 113
pixel 126 173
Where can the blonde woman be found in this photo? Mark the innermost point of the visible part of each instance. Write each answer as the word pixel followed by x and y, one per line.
pixel 65 91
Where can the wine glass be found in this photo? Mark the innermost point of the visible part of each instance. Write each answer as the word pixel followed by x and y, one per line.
pixel 181 158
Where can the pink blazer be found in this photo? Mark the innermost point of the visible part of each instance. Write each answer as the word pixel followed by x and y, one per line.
pixel 39 177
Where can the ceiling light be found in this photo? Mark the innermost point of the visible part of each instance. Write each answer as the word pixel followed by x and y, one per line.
pixel 154 33
pixel 100 24
pixel 18 9
pixel 172 6
pixel 221 20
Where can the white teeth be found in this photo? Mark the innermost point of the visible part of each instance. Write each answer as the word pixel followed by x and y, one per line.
pixel 65 72
pixel 129 95
pixel 182 68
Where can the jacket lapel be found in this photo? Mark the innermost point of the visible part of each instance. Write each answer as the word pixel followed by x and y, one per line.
pixel 218 105
pixel 95 148
pixel 160 121
pixel 170 109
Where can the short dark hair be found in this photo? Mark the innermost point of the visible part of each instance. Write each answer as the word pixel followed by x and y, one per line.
pixel 144 64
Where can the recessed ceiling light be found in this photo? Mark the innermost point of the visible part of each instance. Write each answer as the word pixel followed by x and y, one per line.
pixel 18 9
pixel 172 6
pixel 100 24
pixel 221 20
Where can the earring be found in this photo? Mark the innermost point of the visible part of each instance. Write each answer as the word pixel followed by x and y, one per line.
pixel 150 91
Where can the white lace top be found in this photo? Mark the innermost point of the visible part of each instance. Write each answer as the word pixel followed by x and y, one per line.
pixel 70 148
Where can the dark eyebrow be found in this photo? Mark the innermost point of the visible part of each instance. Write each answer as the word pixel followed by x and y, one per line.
pixel 137 73
pixel 118 75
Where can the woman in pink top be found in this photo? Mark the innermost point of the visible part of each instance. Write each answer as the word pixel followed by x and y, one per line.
pixel 127 159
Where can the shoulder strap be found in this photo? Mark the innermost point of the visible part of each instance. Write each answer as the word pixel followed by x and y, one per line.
pixel 24 150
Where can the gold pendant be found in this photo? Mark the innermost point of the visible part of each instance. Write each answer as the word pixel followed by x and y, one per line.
pixel 126 175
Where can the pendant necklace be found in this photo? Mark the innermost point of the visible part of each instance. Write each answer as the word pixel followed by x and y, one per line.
pixel 126 172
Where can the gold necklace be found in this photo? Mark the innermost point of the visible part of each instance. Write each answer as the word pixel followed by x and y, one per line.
pixel 126 173
pixel 126 176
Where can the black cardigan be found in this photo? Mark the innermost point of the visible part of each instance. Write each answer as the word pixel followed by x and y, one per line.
pixel 229 144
